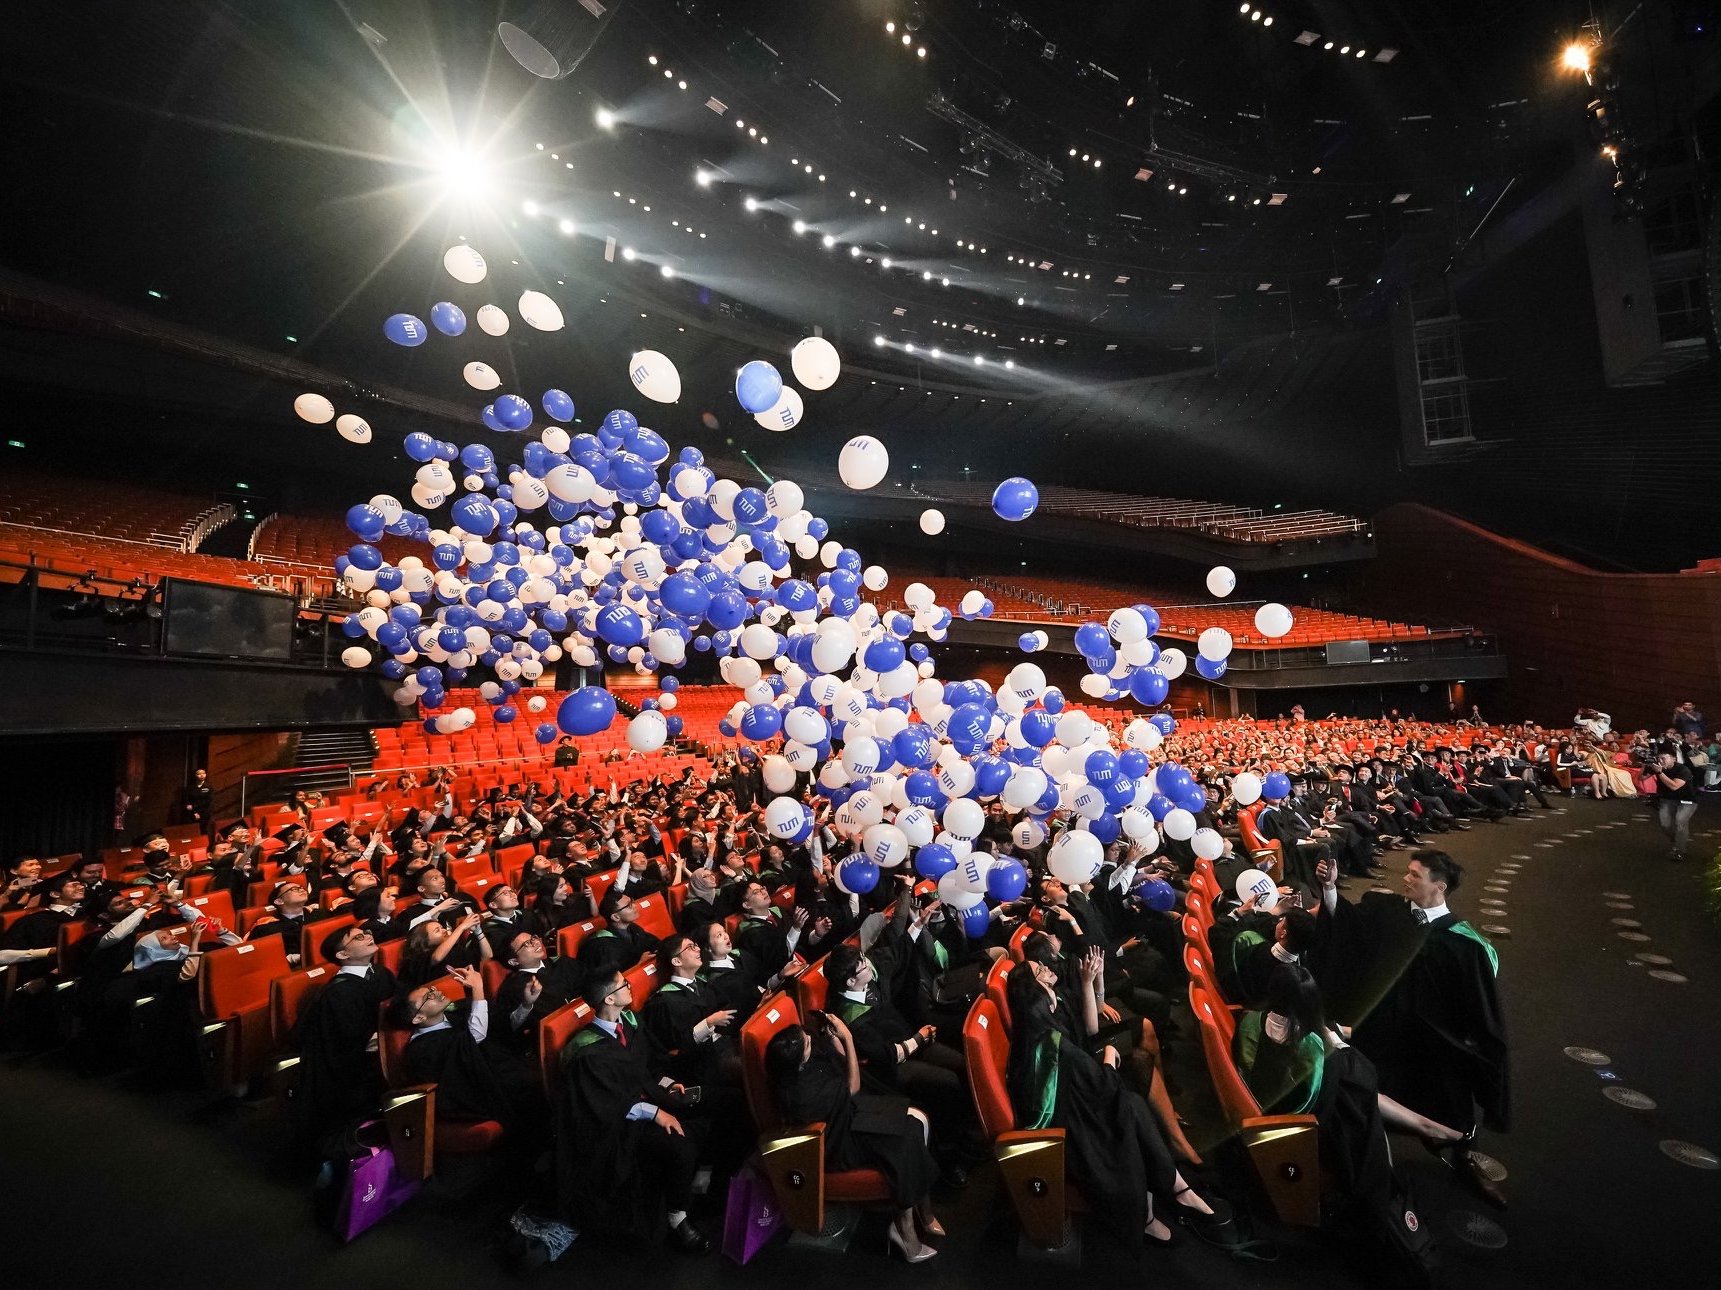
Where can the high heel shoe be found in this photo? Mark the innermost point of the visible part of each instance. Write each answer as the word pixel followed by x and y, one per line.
pixel 929 1226
pixel 894 1243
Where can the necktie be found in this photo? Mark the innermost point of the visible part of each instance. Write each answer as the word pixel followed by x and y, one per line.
pixel 1420 914
pixel 621 1034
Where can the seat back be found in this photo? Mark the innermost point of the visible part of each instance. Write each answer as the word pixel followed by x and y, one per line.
pixel 288 997
pixel 987 1045
pixel 1234 1096
pixel 997 979
pixel 654 915
pixel 777 1012
pixel 555 1032
pixel 1200 969
pixel 1198 907
pixel 569 938
pixel 511 856
pixel 1205 880
pixel 464 872
pixel 217 905
pixel 311 943
pixel 235 978
pixel 1196 934
pixel 642 980
pixel 811 988
pixel 1019 938
pixel 597 885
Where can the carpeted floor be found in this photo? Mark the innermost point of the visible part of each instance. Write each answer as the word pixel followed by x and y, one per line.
pixel 106 1183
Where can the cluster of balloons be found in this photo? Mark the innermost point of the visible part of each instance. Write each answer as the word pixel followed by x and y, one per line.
pixel 608 546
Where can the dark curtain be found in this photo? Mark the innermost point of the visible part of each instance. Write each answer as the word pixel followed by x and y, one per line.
pixel 57 795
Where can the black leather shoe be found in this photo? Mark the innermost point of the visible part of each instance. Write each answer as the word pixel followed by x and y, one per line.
pixel 687 1238
pixel 954 1175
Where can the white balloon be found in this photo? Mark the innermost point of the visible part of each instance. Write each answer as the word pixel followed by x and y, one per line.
pixel 314 408
pixel 784 817
pixel 1253 882
pixel 1273 620
pixel 352 427
pixel 647 732
pixel 1208 844
pixel 777 773
pixel 1172 664
pixel 1026 785
pixel 1246 788
pixel 537 703
pixel 464 264
pixel 492 320
pixel 1075 857
pixel 917 824
pixel 481 376
pixel 931 522
pixel 1127 626
pixel 785 414
pixel 355 656
pixel 965 818
pixel 1178 824
pixel 540 311
pixel 1028 834
pixel 885 845
pixel 391 511
pixel 655 376
pixel 1214 644
pixel 784 498
pixel 554 438
pixel 951 892
pixel 1221 581
pixel 863 462
pixel 815 363
pixel 1138 827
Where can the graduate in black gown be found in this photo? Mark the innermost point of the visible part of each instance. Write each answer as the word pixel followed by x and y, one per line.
pixel 1419 984
pixel 618 946
pixel 816 1077
pixel 1251 943
pixel 471 1086
pixel 340 1080
pixel 731 974
pixel 534 988
pixel 1113 1147
pixel 624 1163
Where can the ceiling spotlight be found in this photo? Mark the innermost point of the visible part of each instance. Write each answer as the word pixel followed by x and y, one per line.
pixel 752 204
pixel 938 353
pixel 979 361
pixel 800 226
pixel 885 263
pixel 1096 163
pixel 1362 53
pixel 890 29
pixel 681 85
pixel 627 253
pixel 921 52
pixel 667 270
pixel 1244 9
pixel 1344 49
pixel 854 252
pixel 530 207
pixel 828 241
pixel 1021 300
pixel 926 275
pixel 1328 45
pixel 605 119
pixel 652 59
pixel 565 227
pixel 878 340
pixel 907 39
pixel 1266 22
pixel 1010 362
pixel 1255 16
pixel 1172 186
pixel 908 349
pixel 702 178
pixel 1230 197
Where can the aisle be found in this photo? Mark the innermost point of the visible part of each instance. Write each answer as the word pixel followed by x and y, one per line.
pixel 1593 1196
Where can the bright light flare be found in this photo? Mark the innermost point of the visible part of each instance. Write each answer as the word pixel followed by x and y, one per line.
pixel 1577 56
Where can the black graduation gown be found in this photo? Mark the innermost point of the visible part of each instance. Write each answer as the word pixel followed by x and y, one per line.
pixel 763 941
pixel 613 949
pixel 1426 1008
pixel 468 1087
pixel 600 1183
pixel 668 1019
pixel 38 930
pixel 1113 1148
pixel 339 1078
pixel 559 979
pixel 738 987
pixel 862 1130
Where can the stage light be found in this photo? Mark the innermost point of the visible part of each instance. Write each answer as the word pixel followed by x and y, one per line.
pixel 890 29
pixel 1244 9
pixel 1344 49
pixel 462 172
pixel 885 263
pixel 1328 45
pixel 1256 16
pixel 878 340
pixel 1021 300
pixel 605 119
pixel 907 40
pixel 1010 363
pixel 921 52
pixel 1096 163
pixel 566 227
pixel 979 361
pixel 530 207
pixel 908 349
pixel 667 270
pixel 1362 53
pixel 1577 56
pixel 1266 22
pixel 551 38
pixel 938 353
pixel 854 252
pixel 828 241
pixel 681 85
pixel 800 226
pixel 652 59
pixel 752 204
pixel 702 178
pixel 627 253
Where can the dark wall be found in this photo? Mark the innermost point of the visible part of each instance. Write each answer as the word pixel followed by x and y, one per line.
pixel 1633 645
pixel 59 795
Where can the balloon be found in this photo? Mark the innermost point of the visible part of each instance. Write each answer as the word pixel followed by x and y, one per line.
pixel 492 321
pixel 1214 644
pixel 558 406
pixel 1253 882
pixel 758 385
pixel 1179 824
pixel 1006 880
pixel 353 428
pixel 784 818
pixel 1208 844
pixel 1221 581
pixel 863 462
pixel 1015 499
pixel 976 921
pixel 964 818
pixel 1157 894
pixel 1075 857
pixel 655 376
pixel 1272 620
pixel 931 522
pixel 513 412
pixel 1148 686
pixel 955 895
pixel 540 311
pixel 647 732
pixel 885 845
pixel 405 329
pixel 857 874
pixel 314 408
pixel 448 318
pixel 464 264
pixel 356 656
pixel 933 861
pixel 481 376
pixel 1276 787
pixel 815 363
pixel 587 711
pixel 1246 788
pixel 785 413
pixel 1208 669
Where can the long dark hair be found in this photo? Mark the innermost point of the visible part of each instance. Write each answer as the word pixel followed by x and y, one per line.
pixel 1292 993
pixel 783 1061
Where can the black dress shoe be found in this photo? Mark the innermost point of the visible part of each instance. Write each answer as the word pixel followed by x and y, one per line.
pixel 687 1238
pixel 954 1175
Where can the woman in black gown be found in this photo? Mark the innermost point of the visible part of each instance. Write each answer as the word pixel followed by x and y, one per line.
pixel 817 1077
pixel 1113 1146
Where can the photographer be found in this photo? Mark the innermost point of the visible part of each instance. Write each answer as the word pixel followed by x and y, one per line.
pixel 1675 799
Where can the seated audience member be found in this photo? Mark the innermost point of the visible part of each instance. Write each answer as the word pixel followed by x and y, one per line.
pixel 1113 1147
pixel 618 945
pixel 340 1079
pixel 815 1077
pixel 469 1087
pixel 625 1164
pixel 290 909
pixel 23 884
pixel 553 906
pixel 534 988
pixel 433 950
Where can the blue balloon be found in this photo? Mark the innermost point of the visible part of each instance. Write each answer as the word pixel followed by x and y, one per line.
pixel 1164 722
pixel 513 412
pixel 858 874
pixel 504 715
pixel 1211 669
pixel 1038 727
pixel 1027 642
pixel 1015 499
pixel 419 446
pixel 1105 828
pixel 364 556
pixel 1276 787
pixel 407 330
pixel 758 386
pixel 475 515
pixel 1053 701
pixel 448 318
pixel 558 405
pixel 1092 640
pixel 934 860
pixel 976 921
pixel 968 726
pixel 1147 686
pixel 546 733
pixel 884 655
pixel 761 722
pixel 620 626
pixel 1159 806
pixel 367 522
pixel 587 711
pixel 1157 894
pixel 1006 880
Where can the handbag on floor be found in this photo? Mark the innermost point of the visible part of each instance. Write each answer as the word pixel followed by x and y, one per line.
pixel 374 1190
pixel 751 1217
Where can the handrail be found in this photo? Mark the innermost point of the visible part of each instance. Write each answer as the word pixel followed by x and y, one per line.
pixel 245 779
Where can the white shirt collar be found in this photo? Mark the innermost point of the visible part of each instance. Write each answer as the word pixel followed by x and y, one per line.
pixel 1279 952
pixel 727 961
pixel 859 996
pixel 63 909
pixel 1434 912
pixel 355 969
pixel 683 980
